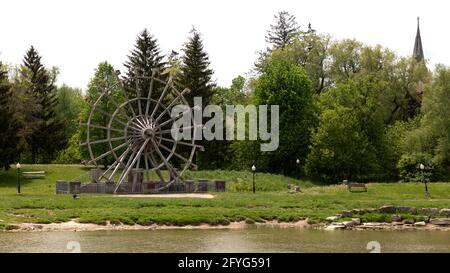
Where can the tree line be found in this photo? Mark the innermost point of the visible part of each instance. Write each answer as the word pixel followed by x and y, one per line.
pixel 347 110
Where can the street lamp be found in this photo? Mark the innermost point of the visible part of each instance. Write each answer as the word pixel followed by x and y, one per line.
pixel 422 168
pixel 18 178
pixel 254 170
pixel 298 167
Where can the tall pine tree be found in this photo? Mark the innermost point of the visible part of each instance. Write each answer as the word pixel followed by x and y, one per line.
pixel 48 136
pixel 145 57
pixel 283 31
pixel 195 72
pixel 196 75
pixel 9 124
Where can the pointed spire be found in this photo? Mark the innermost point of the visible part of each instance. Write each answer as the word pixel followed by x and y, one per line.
pixel 418 50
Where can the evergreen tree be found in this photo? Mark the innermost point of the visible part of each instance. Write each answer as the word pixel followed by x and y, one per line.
pixel 196 75
pixel 49 136
pixel 9 124
pixel 195 72
pixel 145 57
pixel 283 31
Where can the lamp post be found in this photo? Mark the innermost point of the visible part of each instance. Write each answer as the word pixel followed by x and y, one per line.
pixel 18 178
pixel 254 170
pixel 422 168
pixel 298 167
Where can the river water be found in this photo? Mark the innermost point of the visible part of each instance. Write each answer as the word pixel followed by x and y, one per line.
pixel 257 239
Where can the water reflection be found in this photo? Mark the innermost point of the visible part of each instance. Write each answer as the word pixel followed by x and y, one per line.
pixel 261 239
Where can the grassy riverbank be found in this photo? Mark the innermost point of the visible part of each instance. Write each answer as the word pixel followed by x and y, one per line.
pixel 39 204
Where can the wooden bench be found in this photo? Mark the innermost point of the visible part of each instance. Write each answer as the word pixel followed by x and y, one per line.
pixel 356 185
pixel 33 174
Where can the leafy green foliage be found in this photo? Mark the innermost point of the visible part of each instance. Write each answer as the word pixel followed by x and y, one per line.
pixel 409 167
pixel 285 84
pixel 433 135
pixel 105 81
pixel 348 143
pixel 340 150
pixel 70 103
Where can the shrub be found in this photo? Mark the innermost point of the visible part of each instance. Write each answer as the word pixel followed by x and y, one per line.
pixel 410 171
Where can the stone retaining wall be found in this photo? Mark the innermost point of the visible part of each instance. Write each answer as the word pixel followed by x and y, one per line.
pixel 425 216
pixel 144 187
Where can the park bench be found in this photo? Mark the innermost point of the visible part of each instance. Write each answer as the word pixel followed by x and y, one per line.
pixel 356 185
pixel 33 174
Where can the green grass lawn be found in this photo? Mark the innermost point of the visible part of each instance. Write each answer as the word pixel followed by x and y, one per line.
pixel 39 203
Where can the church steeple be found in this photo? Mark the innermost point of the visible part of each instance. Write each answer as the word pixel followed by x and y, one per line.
pixel 418 50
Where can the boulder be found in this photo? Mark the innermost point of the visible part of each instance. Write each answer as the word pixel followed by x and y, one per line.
pixel 420 224
pixel 440 221
pixel 408 222
pixel 349 223
pixel 406 209
pixel 429 211
pixel 387 209
pixel 335 226
pixel 347 213
pixel 332 218
pixel 364 211
pixel 356 211
pixel 338 216
pixel 445 212
pixel 357 221
pixel 396 218
pixel 372 210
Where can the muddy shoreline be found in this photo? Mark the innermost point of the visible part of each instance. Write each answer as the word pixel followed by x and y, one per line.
pixel 77 227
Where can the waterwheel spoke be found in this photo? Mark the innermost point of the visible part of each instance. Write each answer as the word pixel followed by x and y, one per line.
pixel 179 115
pixel 132 163
pixel 179 97
pixel 104 127
pixel 132 156
pixel 119 162
pixel 141 123
pixel 172 172
pixel 138 93
pixel 109 152
pixel 103 140
pixel 180 130
pixel 118 106
pixel 157 170
pixel 178 155
pixel 128 100
pixel 116 163
pixel 147 170
pixel 183 143
pixel 150 90
pixel 163 94
pixel 95 107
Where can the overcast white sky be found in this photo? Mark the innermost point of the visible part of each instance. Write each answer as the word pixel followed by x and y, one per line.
pixel 76 35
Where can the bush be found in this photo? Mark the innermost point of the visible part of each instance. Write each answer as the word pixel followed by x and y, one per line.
pixel 70 155
pixel 409 168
